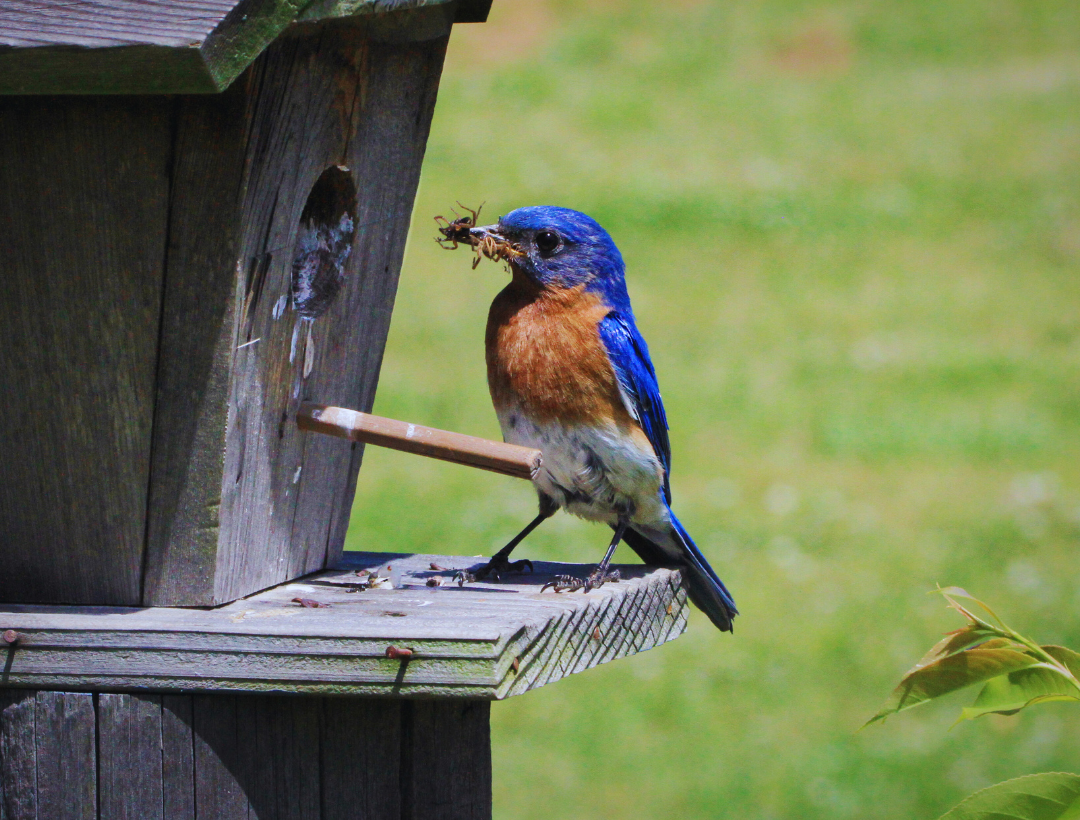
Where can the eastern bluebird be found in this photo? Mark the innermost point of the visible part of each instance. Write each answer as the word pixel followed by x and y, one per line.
pixel 570 375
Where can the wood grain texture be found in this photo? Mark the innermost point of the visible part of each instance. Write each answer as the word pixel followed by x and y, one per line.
pixel 257 757
pixel 242 757
pixel 276 505
pixel 361 735
pixel 83 201
pixel 317 80
pixel 119 70
pixel 367 106
pixel 163 47
pixel 178 757
pixel 18 755
pixel 197 347
pixel 391 129
pixel 486 640
pixel 496 456
pixel 66 749
pixel 446 765
pixel 130 757
pixel 109 23
pixel 133 46
pixel 222 765
pixel 286 773
pixel 194 250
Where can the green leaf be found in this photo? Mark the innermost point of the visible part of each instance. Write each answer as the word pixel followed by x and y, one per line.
pixel 952 593
pixel 1048 796
pixel 1067 656
pixel 954 642
pixel 950 674
pixel 1008 694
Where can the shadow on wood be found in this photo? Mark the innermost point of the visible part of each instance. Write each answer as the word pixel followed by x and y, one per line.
pixel 180 757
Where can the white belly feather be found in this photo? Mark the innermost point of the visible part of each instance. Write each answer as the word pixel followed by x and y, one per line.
pixel 595 472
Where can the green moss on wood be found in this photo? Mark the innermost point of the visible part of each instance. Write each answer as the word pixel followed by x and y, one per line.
pixel 243 35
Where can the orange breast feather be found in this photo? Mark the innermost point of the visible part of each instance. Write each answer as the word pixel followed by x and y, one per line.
pixel 545 356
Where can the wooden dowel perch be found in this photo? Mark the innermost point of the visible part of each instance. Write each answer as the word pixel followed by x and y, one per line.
pixel 508 459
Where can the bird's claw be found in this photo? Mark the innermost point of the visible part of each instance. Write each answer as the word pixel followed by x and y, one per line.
pixel 571 583
pixel 598 577
pixel 492 569
pixel 564 583
pixel 463 577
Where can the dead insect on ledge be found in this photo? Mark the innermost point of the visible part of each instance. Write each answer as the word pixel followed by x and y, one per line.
pixel 460 231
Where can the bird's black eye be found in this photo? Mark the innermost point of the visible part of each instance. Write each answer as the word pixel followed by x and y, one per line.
pixel 547 242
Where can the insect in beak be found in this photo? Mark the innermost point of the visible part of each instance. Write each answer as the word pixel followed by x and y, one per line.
pixel 485 240
pixel 481 233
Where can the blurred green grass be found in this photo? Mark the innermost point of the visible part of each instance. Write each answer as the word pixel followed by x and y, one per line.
pixel 852 233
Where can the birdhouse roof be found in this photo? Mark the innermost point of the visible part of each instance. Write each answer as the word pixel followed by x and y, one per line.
pixel 160 46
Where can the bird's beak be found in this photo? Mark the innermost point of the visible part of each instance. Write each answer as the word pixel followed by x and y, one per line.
pixel 482 231
pixel 489 241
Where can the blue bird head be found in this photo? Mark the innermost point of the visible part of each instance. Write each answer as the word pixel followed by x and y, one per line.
pixel 562 248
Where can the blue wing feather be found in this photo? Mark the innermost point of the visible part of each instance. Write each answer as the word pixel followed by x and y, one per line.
pixel 629 356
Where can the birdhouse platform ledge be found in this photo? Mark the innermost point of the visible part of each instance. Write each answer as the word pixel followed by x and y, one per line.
pixel 378 624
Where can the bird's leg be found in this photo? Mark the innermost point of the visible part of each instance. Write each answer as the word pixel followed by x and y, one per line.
pixel 499 561
pixel 599 576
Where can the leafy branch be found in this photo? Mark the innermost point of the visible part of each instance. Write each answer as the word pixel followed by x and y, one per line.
pixel 1015 673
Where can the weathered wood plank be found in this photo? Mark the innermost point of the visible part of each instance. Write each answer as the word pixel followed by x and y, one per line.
pixel 446 760
pixel 120 70
pixel 18 755
pixel 128 46
pixel 257 757
pixel 221 761
pixel 236 757
pixel 218 527
pixel 163 47
pixel 361 735
pixel 178 754
pixel 83 199
pixel 130 762
pixel 389 143
pixel 317 80
pixel 197 345
pixel 66 750
pixel 109 23
pixel 486 640
pixel 285 778
pixel 277 504
pixel 286 497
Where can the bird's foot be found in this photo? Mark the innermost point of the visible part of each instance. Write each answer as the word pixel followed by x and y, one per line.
pixel 571 583
pixel 564 583
pixel 492 569
pixel 600 576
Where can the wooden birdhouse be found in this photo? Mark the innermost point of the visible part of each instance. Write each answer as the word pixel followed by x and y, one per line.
pixel 203 210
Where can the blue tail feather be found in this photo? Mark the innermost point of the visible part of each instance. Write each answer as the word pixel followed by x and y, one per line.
pixel 706 589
